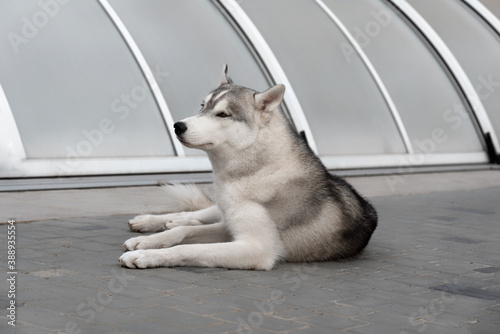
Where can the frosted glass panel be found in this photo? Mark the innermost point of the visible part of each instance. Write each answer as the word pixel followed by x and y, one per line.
pixel 73 85
pixel 186 43
pixel 475 45
pixel 493 6
pixel 341 101
pixel 421 89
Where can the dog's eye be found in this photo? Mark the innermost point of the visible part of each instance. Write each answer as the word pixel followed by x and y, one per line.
pixel 222 115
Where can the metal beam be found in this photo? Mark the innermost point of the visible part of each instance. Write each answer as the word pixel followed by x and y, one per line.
pixel 373 72
pixel 451 61
pixel 11 145
pixel 146 70
pixel 485 13
pixel 274 67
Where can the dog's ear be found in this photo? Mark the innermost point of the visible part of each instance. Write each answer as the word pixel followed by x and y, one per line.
pixel 224 78
pixel 270 99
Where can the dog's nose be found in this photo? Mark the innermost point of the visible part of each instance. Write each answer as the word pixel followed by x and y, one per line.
pixel 180 128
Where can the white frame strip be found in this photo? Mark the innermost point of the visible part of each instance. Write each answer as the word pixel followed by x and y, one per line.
pixel 274 67
pixel 461 77
pixel 485 13
pixel 12 153
pixel 373 72
pixel 105 166
pixel 118 166
pixel 143 64
pixel 403 161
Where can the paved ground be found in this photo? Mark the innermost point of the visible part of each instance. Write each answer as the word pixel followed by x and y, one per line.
pixel 432 266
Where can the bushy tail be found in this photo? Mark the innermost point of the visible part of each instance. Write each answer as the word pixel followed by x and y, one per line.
pixel 186 197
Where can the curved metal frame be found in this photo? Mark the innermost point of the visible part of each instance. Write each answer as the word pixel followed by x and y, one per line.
pixel 485 13
pixel 274 67
pixel 9 130
pixel 447 56
pixel 146 70
pixel 373 72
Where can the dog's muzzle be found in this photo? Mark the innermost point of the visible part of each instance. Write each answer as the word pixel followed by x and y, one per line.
pixel 180 128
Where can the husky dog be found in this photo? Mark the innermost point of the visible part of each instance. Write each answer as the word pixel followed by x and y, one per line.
pixel 274 199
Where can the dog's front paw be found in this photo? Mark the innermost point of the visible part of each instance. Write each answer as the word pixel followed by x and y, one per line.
pixel 140 259
pixel 146 223
pixel 136 243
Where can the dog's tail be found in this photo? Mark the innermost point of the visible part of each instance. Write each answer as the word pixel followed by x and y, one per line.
pixel 186 197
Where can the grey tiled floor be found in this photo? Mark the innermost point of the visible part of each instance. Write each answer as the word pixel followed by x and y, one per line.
pixel 432 266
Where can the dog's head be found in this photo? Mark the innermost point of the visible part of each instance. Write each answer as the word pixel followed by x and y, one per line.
pixel 231 116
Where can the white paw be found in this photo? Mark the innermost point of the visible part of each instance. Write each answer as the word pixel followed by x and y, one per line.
pixel 146 223
pixel 141 259
pixel 155 241
pixel 137 243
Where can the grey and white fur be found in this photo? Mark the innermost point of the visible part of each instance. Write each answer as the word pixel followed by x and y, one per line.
pixel 274 199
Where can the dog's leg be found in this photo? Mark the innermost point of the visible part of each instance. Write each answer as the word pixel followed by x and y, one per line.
pixel 241 254
pixel 184 234
pixel 156 223
pixel 204 216
pixel 257 245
